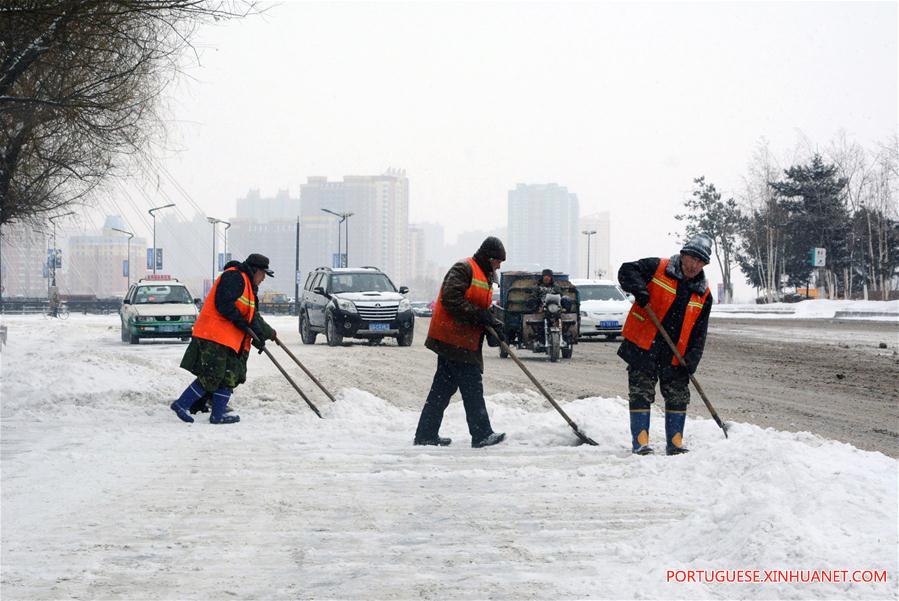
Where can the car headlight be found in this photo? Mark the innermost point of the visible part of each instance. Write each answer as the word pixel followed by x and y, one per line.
pixel 345 305
pixel 188 318
pixel 144 319
pixel 405 305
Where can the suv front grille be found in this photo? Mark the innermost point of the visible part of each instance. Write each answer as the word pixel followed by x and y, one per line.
pixel 372 313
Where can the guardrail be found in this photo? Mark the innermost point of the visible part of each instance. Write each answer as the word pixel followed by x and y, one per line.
pixel 30 306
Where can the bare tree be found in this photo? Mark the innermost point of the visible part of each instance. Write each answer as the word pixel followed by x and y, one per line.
pixel 80 82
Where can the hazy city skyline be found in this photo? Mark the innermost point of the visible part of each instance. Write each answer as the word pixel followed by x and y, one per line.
pixel 622 103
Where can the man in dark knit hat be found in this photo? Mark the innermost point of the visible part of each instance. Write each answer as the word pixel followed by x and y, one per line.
pixel 456 334
pixel 677 292
pixel 217 354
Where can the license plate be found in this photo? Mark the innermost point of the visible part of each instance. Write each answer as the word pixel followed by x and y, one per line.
pixel 169 328
pixel 379 327
pixel 608 324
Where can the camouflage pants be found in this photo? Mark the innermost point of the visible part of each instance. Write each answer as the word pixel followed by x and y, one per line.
pixel 642 388
pixel 216 366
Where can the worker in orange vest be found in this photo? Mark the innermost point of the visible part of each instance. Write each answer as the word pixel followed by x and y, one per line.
pixel 677 292
pixel 456 334
pixel 218 352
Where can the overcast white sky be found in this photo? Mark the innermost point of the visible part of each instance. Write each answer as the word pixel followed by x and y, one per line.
pixel 623 103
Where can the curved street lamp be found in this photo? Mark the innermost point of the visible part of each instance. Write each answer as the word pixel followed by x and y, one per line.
pixel 589 234
pixel 342 217
pixel 155 260
pixel 130 236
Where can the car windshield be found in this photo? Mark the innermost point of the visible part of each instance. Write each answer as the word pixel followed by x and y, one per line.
pixel 156 295
pixel 360 282
pixel 600 292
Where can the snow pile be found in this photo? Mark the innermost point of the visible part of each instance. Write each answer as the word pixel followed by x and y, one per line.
pixel 105 494
pixel 814 309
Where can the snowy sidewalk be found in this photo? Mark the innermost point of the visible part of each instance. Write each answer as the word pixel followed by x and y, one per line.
pixel 814 309
pixel 105 494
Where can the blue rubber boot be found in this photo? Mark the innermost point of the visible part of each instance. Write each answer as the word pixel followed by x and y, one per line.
pixel 675 418
pixel 190 395
pixel 640 431
pixel 219 402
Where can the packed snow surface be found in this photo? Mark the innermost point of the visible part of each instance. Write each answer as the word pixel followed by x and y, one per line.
pixel 105 494
pixel 813 309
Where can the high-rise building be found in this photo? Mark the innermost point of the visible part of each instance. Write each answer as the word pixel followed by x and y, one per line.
pixel 23 261
pixel 543 228
pixel 268 226
pixel 97 263
pixel 377 232
pixel 187 249
pixel 599 247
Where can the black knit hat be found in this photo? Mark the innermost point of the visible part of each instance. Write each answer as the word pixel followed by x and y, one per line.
pixel 548 272
pixel 699 246
pixel 492 248
pixel 257 261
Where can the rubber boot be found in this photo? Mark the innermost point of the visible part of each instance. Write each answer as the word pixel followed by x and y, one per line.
pixel 191 394
pixel 640 432
pixel 675 417
pixel 219 403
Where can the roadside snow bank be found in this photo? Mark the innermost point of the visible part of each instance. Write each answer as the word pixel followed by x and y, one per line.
pixel 105 494
pixel 814 309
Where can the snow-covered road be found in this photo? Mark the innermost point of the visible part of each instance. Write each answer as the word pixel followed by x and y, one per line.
pixel 106 495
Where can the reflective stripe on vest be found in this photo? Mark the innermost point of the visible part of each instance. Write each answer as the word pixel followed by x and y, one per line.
pixel 662 291
pixel 212 325
pixel 446 329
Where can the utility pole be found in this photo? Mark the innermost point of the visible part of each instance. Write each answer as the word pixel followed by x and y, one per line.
pixel 130 236
pixel 225 252
pixel 296 271
pixel 155 259
pixel 589 234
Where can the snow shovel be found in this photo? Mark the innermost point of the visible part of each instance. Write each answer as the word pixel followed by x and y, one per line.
pixel 303 367
pixel 581 435
pixel 680 359
pixel 281 369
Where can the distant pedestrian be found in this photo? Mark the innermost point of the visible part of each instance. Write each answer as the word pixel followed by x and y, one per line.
pixel 218 352
pixel 456 334
pixel 677 292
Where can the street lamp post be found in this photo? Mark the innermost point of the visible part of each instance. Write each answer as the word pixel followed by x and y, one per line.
pixel 155 260
pixel 589 234
pixel 214 221
pixel 341 218
pixel 130 236
pixel 52 220
pixel 225 252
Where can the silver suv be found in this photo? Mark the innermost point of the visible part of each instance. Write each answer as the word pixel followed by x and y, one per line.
pixel 357 302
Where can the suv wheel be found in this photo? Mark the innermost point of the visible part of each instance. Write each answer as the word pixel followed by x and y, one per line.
pixel 405 339
pixel 306 333
pixel 334 337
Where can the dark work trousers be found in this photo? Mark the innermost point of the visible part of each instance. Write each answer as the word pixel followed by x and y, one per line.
pixel 450 377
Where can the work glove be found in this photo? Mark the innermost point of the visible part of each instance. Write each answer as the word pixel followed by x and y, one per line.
pixel 641 297
pixel 494 341
pixel 489 319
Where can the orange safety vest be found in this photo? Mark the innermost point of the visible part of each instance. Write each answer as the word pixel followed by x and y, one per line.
pixel 446 329
pixel 212 325
pixel 662 291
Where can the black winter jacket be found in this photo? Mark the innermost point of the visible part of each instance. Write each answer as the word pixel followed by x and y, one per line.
pixel 634 277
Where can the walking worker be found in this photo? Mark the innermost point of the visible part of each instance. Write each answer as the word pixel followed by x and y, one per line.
pixel 677 292
pixel 456 334
pixel 218 352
